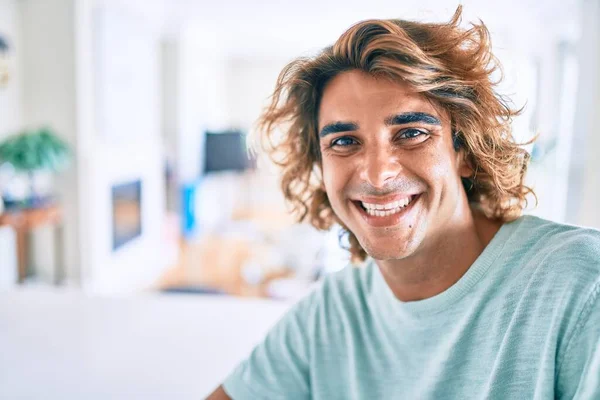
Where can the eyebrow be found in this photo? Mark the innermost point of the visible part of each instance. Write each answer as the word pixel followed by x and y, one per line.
pixel 336 127
pixel 398 119
pixel 411 117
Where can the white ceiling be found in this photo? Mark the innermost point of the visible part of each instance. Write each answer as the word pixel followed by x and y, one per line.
pixel 296 26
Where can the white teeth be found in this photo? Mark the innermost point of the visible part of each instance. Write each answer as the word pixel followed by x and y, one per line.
pixel 384 210
pixel 382 213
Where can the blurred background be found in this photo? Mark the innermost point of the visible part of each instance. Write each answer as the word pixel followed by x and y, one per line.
pixel 142 252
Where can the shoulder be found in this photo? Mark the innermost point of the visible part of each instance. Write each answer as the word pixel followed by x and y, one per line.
pixel 561 265
pixel 560 234
pixel 555 266
pixel 568 248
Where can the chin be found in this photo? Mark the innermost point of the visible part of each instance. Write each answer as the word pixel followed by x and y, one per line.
pixel 393 250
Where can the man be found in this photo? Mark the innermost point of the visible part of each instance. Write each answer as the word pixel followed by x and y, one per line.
pixel 396 133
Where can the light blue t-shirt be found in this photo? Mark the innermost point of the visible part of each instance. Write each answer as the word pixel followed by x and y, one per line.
pixel 522 323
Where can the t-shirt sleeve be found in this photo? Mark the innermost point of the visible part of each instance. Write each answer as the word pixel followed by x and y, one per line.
pixel 579 372
pixel 278 367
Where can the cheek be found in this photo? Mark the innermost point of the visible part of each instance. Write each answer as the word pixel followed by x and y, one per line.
pixel 334 180
pixel 429 169
pixel 441 169
pixel 443 178
pixel 438 171
pixel 439 166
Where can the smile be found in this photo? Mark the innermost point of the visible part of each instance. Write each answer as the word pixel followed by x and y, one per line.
pixel 383 210
pixel 388 213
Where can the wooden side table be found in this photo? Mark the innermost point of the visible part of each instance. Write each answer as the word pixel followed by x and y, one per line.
pixel 24 221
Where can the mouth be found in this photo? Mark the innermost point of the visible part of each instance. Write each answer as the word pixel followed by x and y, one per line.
pixel 385 214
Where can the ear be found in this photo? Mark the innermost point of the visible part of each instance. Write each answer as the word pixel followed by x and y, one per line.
pixel 465 169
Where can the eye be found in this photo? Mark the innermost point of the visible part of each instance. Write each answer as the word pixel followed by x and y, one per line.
pixel 413 135
pixel 343 141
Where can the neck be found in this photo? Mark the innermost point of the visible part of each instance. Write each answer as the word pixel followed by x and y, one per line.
pixel 432 270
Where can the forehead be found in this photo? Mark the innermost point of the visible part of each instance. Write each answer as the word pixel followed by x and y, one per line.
pixel 357 96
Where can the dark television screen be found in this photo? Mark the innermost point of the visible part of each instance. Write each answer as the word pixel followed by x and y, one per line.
pixel 225 151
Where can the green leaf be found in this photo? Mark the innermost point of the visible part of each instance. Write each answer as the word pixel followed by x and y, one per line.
pixel 36 150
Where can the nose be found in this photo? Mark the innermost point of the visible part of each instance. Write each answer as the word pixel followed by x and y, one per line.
pixel 380 165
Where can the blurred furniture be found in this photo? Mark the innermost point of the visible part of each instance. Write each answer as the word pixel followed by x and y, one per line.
pixel 221 264
pixel 62 344
pixel 254 251
pixel 23 221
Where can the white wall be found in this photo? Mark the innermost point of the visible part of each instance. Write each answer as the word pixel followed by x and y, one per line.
pixel 547 176
pixel 126 146
pixel 10 96
pixel 250 83
pixel 195 79
pixel 585 199
pixel 138 263
pixel 50 98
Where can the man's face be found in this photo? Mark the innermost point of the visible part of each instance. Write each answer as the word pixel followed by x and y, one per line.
pixel 389 167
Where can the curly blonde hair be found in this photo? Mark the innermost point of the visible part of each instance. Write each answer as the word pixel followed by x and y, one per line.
pixel 449 65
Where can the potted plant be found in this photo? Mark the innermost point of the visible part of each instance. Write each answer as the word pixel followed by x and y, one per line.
pixel 30 153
